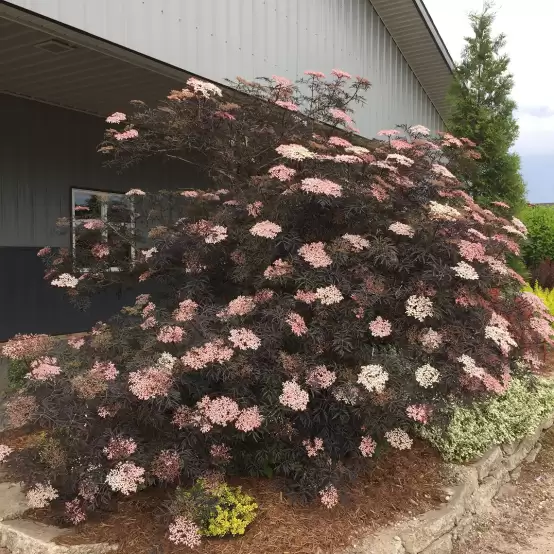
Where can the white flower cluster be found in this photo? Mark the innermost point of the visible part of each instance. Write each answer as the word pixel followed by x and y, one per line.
pixel 501 337
pixel 5 451
pixel 465 271
pixel 470 366
pixel 349 394
pixel 442 211
pixel 204 88
pixel 400 159
pixel 399 439
pixel 41 495
pixel 419 307
pixel 427 376
pixel 373 378
pixel 125 477
pixel 419 130
pixel 166 361
pixel 329 295
pixel 65 280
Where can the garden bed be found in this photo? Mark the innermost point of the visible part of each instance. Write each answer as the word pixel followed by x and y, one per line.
pixel 399 485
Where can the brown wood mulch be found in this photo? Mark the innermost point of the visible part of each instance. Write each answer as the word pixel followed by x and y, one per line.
pixel 401 484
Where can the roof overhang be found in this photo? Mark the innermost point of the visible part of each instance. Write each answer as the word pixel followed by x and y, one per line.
pixel 417 37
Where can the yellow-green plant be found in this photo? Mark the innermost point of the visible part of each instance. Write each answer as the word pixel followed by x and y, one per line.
pixel 218 510
pixel 546 295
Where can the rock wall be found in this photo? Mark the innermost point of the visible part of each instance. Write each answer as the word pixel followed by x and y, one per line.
pixel 476 485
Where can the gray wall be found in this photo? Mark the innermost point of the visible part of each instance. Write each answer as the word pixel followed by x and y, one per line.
pixel 44 151
pixel 221 39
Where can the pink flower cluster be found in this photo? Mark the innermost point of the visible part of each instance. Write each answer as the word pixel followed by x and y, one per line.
pixel 74 511
pixel 402 229
pixel 419 412
pixel 169 333
pixel 367 447
pixel 338 141
pixel 23 347
pixel 116 117
pixel 126 135
pixel 65 280
pixel 313 447
pixel 294 152
pixel 430 339
pixel 254 209
pixel 150 383
pixel 266 229
pixel 214 352
pixel 244 339
pixel 472 251
pixel 221 452
pixel 321 186
pixel 329 496
pixel 44 252
pixel 76 342
pixel 44 369
pixel 282 173
pixel 297 324
pixel 263 295
pixel 419 307
pixel 186 310
pixel 294 397
pixel 105 371
pixel 166 466
pixel 249 419
pixel 219 411
pixel 135 192
pixel 203 88
pixel 356 241
pixel 184 531
pixel 399 439
pixel 5 451
pixel 119 448
pixel 320 377
pixel 125 478
pixel 94 224
pixel 241 305
pixel 279 268
pixel 291 106
pixel 314 253
pixel 380 327
pixel 305 296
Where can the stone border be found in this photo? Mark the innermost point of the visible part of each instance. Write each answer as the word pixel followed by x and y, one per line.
pixel 476 485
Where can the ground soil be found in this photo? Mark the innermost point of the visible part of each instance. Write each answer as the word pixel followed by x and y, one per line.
pixel 401 484
pixel 522 518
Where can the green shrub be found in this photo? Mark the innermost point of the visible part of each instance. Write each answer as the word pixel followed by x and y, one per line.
pixel 217 510
pixel 507 418
pixel 17 369
pixel 540 225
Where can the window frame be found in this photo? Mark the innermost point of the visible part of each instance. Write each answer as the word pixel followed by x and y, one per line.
pixel 75 222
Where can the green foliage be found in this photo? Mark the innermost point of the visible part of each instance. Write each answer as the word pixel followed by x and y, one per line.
pixel 482 110
pixel 17 369
pixel 218 511
pixel 540 224
pixel 503 419
pixel 546 295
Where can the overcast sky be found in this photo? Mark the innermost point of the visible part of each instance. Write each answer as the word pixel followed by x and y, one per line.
pixel 529 29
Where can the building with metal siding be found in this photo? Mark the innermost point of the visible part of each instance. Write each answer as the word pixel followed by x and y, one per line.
pixel 62 57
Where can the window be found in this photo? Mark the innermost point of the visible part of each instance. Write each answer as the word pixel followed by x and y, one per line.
pixel 111 224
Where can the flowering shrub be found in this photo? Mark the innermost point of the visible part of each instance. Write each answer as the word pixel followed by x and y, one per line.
pixel 472 430
pixel 324 297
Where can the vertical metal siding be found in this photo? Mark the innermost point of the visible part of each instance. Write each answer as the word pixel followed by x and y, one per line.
pixel 220 39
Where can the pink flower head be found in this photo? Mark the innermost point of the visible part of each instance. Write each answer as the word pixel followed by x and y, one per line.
pixel 24 347
pixel 105 371
pixel 94 224
pixel 116 117
pixel 402 229
pixel 388 133
pixel 44 369
pixel 291 106
pixel 135 192
pixel 170 333
pixel 219 411
pixel 279 268
pixel 329 496
pixel 224 115
pixel 338 141
pixel 501 204
pixel 341 116
pixel 254 209
pixel 126 135
pixel 265 229
pixel 166 466
pixel 314 253
pixel 119 448
pixel 282 173
pixel 315 74
pixel 294 397
pixel 184 531
pixel 249 419
pixel 41 495
pixel 150 383
pixel 329 295
pixel 442 171
pixel 313 447
pixel 221 452
pixel 305 296
pixel 186 310
pixel 263 295
pixel 190 194
pixel 320 377
pixel 125 478
pixel 321 186
pixel 100 250
pixel 210 353
pixel 241 305
pixel 419 412
pixel 347 159
pixel 74 511
pixel 5 451
pixel 203 88
pixel 65 280
pixel 44 252
pixel 297 324
pixel 472 251
pixel 419 130
pixel 282 81
pixel 340 74
pixel 367 446
pixel 244 339
pixel 399 144
pixel 148 323
pixel 380 327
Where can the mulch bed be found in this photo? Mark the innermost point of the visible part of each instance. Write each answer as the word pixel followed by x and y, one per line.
pixel 401 484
